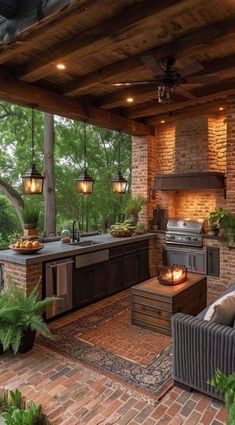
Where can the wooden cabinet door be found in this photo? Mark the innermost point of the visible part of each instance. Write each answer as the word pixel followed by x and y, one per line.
pixel 143 265
pixel 115 275
pixel 81 286
pixel 130 270
pixel 99 281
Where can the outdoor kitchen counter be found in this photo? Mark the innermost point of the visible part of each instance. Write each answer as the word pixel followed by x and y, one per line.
pixel 57 250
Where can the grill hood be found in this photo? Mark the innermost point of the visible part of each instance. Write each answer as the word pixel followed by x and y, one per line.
pixel 189 181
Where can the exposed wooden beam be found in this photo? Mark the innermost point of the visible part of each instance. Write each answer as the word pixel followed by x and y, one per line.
pixel 203 94
pixel 90 40
pixel 12 90
pixel 214 33
pixel 207 108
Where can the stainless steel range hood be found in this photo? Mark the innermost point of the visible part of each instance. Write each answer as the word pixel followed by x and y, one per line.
pixel 190 181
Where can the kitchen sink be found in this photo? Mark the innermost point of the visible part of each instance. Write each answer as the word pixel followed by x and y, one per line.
pixel 85 243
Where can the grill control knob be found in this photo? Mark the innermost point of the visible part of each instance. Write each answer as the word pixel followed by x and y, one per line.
pixel 195 239
pixel 172 237
pixel 188 238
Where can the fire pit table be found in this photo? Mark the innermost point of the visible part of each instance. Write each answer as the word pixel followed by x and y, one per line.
pixel 153 304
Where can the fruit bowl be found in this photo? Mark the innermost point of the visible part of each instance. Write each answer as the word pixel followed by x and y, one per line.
pixel 25 250
pixel 119 234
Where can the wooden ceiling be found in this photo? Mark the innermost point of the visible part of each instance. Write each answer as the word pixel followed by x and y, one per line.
pixel 103 41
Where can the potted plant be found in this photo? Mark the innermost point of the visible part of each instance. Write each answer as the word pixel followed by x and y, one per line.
pixel 225 222
pixel 30 216
pixel 226 384
pixel 22 319
pixel 133 207
pixel 215 219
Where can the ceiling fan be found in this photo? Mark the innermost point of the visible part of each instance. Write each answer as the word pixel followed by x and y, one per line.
pixel 168 79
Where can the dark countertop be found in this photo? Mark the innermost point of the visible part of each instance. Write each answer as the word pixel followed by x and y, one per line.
pixel 57 250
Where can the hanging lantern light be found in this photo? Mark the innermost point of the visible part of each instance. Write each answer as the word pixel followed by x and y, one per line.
pixel 32 180
pixel 119 183
pixel 85 182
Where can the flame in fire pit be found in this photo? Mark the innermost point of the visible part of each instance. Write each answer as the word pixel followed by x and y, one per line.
pixel 172 275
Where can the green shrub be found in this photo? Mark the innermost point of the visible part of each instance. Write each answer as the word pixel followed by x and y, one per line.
pixel 13 413
pixel 226 384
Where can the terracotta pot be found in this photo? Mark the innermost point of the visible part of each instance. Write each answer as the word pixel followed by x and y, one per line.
pixel 30 226
pixel 27 340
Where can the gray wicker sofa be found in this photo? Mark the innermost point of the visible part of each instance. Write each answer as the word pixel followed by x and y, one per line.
pixel 200 347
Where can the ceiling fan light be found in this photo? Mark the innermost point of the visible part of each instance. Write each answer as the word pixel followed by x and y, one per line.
pixel 164 93
pixel 32 182
pixel 85 183
pixel 119 184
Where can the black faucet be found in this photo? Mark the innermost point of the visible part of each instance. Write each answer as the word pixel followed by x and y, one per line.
pixel 77 234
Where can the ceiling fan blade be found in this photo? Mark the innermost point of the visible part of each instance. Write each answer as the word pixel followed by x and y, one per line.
pixel 152 64
pixel 180 90
pixel 133 83
pixel 203 79
pixel 191 68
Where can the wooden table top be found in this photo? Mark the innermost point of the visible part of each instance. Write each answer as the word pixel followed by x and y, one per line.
pixel 152 286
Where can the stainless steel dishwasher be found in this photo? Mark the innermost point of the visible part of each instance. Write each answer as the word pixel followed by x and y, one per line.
pixel 59 283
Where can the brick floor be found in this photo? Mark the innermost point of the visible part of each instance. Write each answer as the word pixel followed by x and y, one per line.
pixel 72 394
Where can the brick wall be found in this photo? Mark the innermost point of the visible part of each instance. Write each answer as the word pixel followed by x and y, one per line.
pixel 203 143
pixel 191 139
pixel 25 277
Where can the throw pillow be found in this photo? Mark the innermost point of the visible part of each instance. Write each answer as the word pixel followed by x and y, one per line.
pixel 223 310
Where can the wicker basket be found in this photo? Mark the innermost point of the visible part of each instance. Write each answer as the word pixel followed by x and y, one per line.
pixel 116 234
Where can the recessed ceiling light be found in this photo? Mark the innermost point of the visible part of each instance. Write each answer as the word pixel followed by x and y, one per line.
pixel 130 99
pixel 221 108
pixel 163 121
pixel 60 66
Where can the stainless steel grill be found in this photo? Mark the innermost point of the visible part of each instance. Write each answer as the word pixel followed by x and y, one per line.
pixel 184 232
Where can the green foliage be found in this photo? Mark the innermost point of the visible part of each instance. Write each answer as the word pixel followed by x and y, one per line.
pixel 140 228
pixel 30 213
pixel 134 205
pixel 99 210
pixel 225 222
pixel 13 414
pixel 19 312
pixel 8 221
pixel 226 384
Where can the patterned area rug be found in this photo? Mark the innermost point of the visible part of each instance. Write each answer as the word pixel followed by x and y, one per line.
pixel 102 337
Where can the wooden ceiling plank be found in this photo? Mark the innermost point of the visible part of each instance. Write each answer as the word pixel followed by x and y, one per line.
pixel 92 37
pixel 200 38
pixel 15 91
pixel 208 108
pixel 45 29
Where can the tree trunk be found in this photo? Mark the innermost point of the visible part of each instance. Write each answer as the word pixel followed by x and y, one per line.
pixel 14 197
pixel 49 183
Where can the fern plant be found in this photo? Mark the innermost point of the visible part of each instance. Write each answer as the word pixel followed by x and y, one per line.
pixel 20 312
pixel 226 384
pixel 13 413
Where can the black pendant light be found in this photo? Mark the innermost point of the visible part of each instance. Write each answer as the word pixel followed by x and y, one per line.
pixel 119 183
pixel 32 180
pixel 85 182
